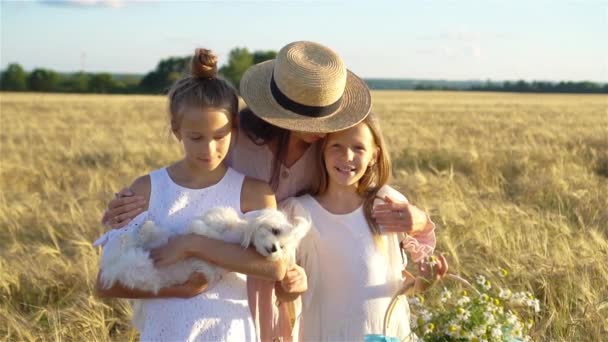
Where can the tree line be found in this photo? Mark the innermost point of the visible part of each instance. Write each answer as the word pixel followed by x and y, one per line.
pixel 544 87
pixel 15 78
pixel 168 70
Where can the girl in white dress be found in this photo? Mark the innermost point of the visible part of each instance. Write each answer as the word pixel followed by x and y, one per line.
pixel 353 263
pixel 202 112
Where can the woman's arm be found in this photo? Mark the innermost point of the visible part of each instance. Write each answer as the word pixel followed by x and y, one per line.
pixel 124 207
pixel 396 215
pixel 256 195
pixel 399 216
pixel 196 284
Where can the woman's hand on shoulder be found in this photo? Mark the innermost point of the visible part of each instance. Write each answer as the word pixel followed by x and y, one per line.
pixel 127 204
pixel 400 217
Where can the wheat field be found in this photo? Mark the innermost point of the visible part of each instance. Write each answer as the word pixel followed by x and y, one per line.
pixel 513 181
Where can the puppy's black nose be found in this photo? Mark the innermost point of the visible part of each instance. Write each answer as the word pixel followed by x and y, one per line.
pixel 273 249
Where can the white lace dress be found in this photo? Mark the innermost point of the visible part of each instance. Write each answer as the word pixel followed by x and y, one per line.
pixel 218 314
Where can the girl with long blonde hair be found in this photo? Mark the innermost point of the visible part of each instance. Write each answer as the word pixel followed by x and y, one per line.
pixel 354 262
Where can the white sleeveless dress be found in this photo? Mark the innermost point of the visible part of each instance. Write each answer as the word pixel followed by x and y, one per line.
pixel 218 314
pixel 351 280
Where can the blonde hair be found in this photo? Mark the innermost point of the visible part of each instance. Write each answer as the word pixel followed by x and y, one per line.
pixel 201 89
pixel 375 177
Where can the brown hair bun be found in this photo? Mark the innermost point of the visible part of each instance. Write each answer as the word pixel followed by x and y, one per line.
pixel 204 64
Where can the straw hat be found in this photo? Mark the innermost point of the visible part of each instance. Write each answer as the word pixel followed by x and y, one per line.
pixel 306 88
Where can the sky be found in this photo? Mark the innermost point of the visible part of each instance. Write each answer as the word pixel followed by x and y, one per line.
pixel 442 39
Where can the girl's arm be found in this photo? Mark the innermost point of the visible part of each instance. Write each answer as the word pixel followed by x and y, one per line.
pixel 196 284
pixel 230 256
pixel 255 195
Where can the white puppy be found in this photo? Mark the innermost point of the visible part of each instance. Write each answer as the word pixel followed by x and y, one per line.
pixel 126 257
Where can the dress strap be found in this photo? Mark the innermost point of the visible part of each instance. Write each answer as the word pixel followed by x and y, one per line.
pixel 233 180
pixel 159 183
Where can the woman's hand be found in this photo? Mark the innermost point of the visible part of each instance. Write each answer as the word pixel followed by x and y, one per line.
pixel 295 280
pixel 175 250
pixel 122 209
pixel 400 217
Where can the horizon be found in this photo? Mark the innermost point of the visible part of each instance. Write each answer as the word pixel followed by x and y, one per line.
pixel 431 40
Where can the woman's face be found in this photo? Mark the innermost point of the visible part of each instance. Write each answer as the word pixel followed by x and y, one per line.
pixel 205 135
pixel 306 137
pixel 348 154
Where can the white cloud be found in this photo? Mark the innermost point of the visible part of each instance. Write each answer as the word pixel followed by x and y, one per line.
pixel 454 50
pixel 86 3
pixel 463 34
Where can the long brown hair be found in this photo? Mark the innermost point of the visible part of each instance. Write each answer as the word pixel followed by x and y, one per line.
pixel 263 133
pixel 375 177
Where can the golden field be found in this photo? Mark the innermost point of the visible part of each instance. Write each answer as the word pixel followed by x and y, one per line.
pixel 513 181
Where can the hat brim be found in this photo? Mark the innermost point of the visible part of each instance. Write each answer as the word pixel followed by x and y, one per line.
pixel 255 90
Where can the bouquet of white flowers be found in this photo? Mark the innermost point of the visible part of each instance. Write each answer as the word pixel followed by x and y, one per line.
pixel 482 313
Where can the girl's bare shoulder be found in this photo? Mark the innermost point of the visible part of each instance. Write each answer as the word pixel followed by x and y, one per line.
pixel 256 195
pixel 141 186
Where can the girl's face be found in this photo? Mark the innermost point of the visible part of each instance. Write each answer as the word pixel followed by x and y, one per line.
pixel 205 135
pixel 348 154
pixel 306 137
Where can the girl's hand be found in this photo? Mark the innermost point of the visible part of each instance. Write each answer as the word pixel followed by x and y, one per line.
pixel 295 280
pixel 122 209
pixel 400 217
pixel 430 270
pixel 195 285
pixel 433 268
pixel 175 250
